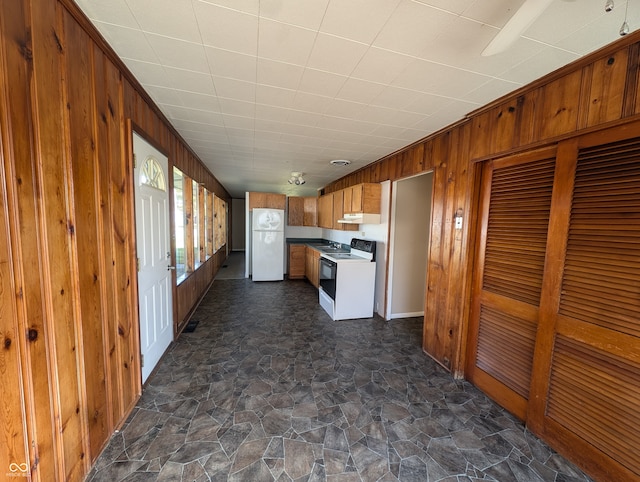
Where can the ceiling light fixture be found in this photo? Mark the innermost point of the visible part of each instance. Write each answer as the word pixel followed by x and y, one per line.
pixel 624 29
pixel 296 178
pixel 608 6
pixel 340 162
pixel 517 24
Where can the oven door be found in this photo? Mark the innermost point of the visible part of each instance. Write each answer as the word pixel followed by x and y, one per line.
pixel 328 270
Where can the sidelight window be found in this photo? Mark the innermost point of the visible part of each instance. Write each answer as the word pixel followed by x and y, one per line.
pixel 179 217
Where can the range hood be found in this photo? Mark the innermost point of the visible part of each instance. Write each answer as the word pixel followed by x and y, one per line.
pixel 360 218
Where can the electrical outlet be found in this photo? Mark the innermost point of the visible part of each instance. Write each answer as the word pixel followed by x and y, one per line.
pixel 362 234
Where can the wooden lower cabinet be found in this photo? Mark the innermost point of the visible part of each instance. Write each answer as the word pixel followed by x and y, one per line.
pixel 312 266
pixel 297 261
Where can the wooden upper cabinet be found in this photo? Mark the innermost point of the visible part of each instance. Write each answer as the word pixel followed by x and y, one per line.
pixel 295 214
pixel 310 211
pixel 338 212
pixel 266 200
pixel 362 198
pixel 338 208
pixel 303 211
pixel 325 211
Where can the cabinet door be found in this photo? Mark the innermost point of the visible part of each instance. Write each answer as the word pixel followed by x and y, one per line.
pixel 310 217
pixel 325 211
pixel 338 213
pixel 295 214
pixel 338 209
pixel 312 266
pixel 370 195
pixel 297 261
pixel 347 205
pixel 276 201
pixel 356 199
pixel 307 263
pixel 315 268
pixel 266 200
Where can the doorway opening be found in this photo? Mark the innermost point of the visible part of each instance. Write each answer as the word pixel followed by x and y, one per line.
pixel 409 246
pixel 153 248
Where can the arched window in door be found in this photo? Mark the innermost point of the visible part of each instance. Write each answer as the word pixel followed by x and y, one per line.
pixel 151 174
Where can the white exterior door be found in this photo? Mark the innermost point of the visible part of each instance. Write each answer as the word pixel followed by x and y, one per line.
pixel 154 253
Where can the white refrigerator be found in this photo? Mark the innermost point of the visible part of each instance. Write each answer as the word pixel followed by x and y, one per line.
pixel 267 244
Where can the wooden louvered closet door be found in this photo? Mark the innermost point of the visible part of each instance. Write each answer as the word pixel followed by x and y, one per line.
pixel 586 388
pixel 512 239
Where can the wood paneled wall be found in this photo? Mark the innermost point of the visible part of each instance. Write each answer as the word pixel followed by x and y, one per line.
pixel 597 91
pixel 69 360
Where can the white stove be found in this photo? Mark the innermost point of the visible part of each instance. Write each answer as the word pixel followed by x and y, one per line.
pixel 345 257
pixel 347 281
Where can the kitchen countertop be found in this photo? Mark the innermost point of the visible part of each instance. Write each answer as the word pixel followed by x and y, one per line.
pixel 321 245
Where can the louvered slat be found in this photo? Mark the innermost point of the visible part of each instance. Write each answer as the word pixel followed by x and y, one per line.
pixel 596 395
pixel 602 268
pixel 517 230
pixel 505 349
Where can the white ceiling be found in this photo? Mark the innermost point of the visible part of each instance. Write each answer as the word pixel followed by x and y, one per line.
pixel 261 88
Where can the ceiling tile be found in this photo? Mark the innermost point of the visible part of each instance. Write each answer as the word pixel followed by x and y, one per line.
pixel 361 91
pixel 548 60
pixel 245 6
pixel 237 107
pixel 269 95
pixel 128 43
pixel 303 13
pixel 238 122
pixel 194 100
pixel 358 20
pixel 345 108
pixel 396 98
pixel 321 83
pixel 383 66
pixel 233 65
pixel 336 55
pixel 271 112
pixel 190 81
pixel 428 104
pixel 178 53
pixel 227 29
pixel 491 90
pixel 235 89
pixel 194 115
pixel 285 43
pixel 303 118
pixel 447 81
pixel 308 102
pixel 413 28
pixel 163 95
pixel 115 12
pixel 279 74
pixel 170 18
pixel 492 12
pixel 148 73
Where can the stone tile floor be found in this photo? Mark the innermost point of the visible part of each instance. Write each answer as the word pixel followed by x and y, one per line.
pixel 268 387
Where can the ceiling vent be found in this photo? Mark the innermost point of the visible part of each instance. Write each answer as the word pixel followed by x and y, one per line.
pixel 340 162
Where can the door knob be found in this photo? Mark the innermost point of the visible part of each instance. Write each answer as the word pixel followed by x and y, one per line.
pixel 170 267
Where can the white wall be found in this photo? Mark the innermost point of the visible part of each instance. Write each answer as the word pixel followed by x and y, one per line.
pixel 375 232
pixel 411 221
pixel 302 232
pixel 238 215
